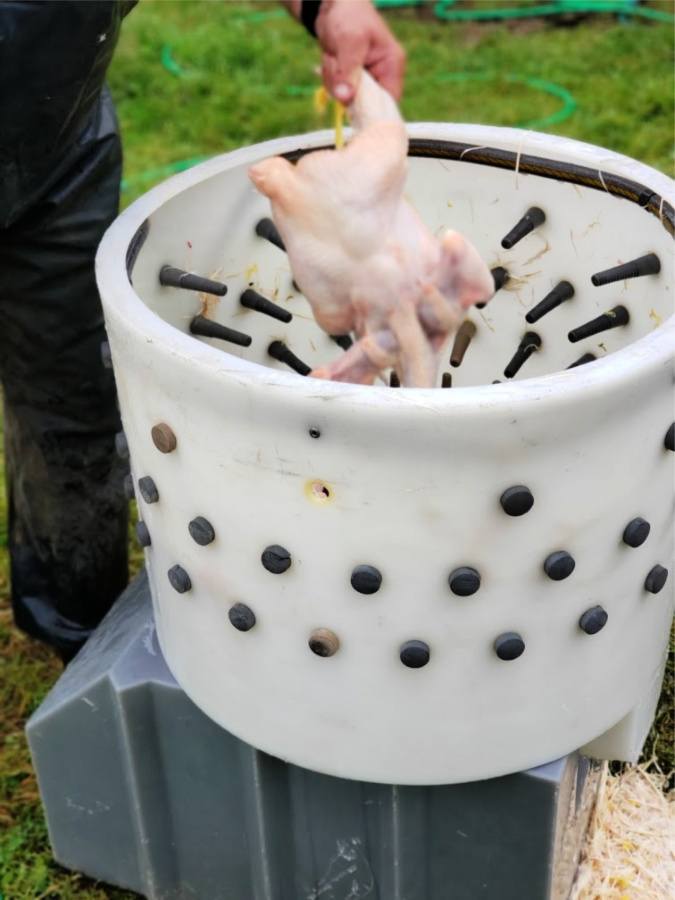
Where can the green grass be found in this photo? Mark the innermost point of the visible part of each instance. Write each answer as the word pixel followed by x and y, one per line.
pixel 247 75
pixel 244 69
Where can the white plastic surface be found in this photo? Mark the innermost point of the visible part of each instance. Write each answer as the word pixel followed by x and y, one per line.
pixel 414 479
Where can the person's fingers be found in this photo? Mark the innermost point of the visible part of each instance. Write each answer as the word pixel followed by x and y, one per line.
pixel 385 64
pixel 345 33
pixel 350 56
pixel 387 67
pixel 354 36
pixel 344 91
pixel 336 85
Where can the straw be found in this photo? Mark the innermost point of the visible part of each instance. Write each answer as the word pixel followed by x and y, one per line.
pixel 629 852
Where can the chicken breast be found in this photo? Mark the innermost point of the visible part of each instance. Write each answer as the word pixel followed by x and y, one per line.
pixel 361 254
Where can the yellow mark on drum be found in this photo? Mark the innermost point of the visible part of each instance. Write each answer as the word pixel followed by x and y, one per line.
pixel 655 317
pixel 318 491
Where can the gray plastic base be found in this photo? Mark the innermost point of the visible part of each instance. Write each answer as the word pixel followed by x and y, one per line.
pixel 142 790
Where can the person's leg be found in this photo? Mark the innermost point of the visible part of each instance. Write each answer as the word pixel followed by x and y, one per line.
pixel 67 510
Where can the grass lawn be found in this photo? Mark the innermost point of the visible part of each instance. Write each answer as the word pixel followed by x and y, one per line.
pixel 194 79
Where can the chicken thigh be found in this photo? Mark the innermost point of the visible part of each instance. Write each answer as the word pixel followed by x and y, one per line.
pixel 363 257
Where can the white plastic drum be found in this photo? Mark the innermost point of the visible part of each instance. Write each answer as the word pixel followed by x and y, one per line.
pixel 398 585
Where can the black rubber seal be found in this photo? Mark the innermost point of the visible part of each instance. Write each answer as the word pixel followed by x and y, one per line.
pixel 615 185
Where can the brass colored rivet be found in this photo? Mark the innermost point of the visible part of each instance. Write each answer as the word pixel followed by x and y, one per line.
pixel 324 642
pixel 163 438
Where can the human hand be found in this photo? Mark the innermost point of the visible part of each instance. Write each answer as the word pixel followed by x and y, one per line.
pixel 353 35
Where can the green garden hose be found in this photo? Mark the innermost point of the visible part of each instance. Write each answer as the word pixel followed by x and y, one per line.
pixel 170 64
pixel 446 10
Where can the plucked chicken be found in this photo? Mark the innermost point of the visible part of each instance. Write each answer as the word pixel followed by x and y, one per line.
pixel 362 256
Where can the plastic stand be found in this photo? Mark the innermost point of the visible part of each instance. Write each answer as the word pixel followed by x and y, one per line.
pixel 142 790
